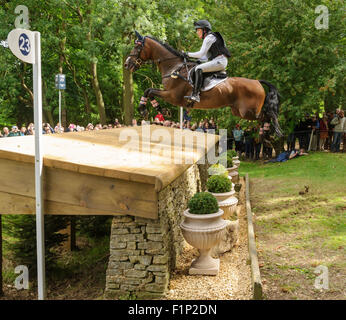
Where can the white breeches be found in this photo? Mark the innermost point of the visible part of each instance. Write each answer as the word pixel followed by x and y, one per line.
pixel 218 64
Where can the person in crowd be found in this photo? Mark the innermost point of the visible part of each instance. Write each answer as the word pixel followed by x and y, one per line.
pixel 339 129
pixel 238 135
pixel 166 123
pixel 315 126
pixel 14 132
pixel 46 129
pixel 186 116
pixel 134 123
pixel 23 131
pixel 6 132
pixel 258 132
pixel 116 122
pixel 31 129
pixel 159 116
pixel 288 155
pixel 323 132
pixel 267 147
pixel 89 127
pixel 194 127
pixel 212 124
pixel 200 127
pixel 72 128
pixel 248 143
pixel 329 141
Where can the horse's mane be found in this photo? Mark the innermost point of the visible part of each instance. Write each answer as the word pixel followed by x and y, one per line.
pixel 168 47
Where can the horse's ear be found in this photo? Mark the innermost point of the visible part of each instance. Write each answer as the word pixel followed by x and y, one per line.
pixel 139 37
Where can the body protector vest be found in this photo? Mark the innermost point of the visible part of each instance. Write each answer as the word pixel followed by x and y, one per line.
pixel 218 47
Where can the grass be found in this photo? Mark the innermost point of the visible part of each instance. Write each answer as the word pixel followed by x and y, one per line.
pixel 297 232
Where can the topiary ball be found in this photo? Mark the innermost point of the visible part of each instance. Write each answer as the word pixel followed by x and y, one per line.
pixel 219 184
pixel 218 169
pixel 203 203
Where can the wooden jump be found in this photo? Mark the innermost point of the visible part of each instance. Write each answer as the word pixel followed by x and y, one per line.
pixel 91 173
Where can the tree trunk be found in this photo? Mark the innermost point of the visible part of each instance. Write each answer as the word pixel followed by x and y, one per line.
pixel 46 110
pixel 128 98
pixel 98 94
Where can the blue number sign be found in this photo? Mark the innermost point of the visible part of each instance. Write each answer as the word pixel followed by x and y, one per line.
pixel 24 44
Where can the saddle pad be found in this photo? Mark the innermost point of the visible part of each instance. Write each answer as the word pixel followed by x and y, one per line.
pixel 211 82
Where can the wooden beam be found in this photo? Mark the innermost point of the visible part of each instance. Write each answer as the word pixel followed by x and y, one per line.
pixel 1 284
pixel 68 192
pixel 17 204
pixel 255 271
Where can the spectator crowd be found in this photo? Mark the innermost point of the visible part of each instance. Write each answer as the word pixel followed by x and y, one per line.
pixel 326 133
pixel 312 133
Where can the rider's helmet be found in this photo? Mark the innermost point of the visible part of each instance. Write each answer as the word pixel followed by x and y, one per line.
pixel 203 24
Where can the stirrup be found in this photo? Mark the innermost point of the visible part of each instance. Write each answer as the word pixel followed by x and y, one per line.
pixel 194 98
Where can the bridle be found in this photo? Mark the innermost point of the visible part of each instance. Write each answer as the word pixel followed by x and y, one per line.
pixel 139 62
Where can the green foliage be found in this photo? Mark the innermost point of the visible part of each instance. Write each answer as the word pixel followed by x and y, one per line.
pixel 219 184
pixel 94 226
pixel 218 169
pixel 20 239
pixel 203 203
pixel 228 158
pixel 231 153
pixel 272 40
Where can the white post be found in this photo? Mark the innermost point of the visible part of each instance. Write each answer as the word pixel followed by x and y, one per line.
pixel 181 117
pixel 39 168
pixel 59 110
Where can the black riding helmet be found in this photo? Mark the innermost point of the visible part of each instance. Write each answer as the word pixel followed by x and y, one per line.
pixel 202 24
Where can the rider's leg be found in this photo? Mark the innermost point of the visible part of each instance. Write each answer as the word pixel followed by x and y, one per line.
pixel 218 64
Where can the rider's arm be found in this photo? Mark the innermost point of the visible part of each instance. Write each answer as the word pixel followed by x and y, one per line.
pixel 207 42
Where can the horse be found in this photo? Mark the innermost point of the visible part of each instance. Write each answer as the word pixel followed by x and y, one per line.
pixel 246 97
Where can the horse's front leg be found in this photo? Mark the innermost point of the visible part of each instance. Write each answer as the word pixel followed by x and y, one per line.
pixel 151 93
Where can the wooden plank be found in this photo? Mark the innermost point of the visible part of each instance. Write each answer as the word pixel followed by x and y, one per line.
pixel 80 190
pixel 255 271
pixel 102 153
pixel 16 204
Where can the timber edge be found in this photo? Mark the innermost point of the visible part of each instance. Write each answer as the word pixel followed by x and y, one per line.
pixel 255 271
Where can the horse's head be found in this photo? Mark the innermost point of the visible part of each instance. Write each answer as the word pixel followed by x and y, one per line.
pixel 137 55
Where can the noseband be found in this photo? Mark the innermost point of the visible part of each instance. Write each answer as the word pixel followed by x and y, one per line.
pixel 138 60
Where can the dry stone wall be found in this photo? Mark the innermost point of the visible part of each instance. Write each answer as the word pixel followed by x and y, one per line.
pixel 144 251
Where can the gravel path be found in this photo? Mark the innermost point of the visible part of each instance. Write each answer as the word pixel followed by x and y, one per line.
pixel 234 279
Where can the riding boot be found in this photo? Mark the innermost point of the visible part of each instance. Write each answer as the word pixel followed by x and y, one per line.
pixel 197 86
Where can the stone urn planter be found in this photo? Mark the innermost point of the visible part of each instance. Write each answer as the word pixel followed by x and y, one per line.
pixel 236 162
pixel 233 168
pixel 222 189
pixel 229 206
pixel 203 228
pixel 234 176
pixel 203 231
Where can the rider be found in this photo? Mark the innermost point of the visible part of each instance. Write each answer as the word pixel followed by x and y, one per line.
pixel 213 49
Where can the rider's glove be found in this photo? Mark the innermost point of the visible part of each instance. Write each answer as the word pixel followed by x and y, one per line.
pixel 185 55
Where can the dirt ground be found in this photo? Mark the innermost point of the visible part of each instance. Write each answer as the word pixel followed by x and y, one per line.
pixel 292 232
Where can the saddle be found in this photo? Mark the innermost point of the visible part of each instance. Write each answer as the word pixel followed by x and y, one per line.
pixel 210 79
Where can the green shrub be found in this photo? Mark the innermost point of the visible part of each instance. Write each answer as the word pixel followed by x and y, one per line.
pixel 232 153
pixel 229 159
pixel 203 203
pixel 218 169
pixel 20 239
pixel 219 184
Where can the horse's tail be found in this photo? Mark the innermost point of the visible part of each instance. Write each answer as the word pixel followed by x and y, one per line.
pixel 271 106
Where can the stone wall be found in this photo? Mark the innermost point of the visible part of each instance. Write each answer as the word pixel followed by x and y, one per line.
pixel 144 251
